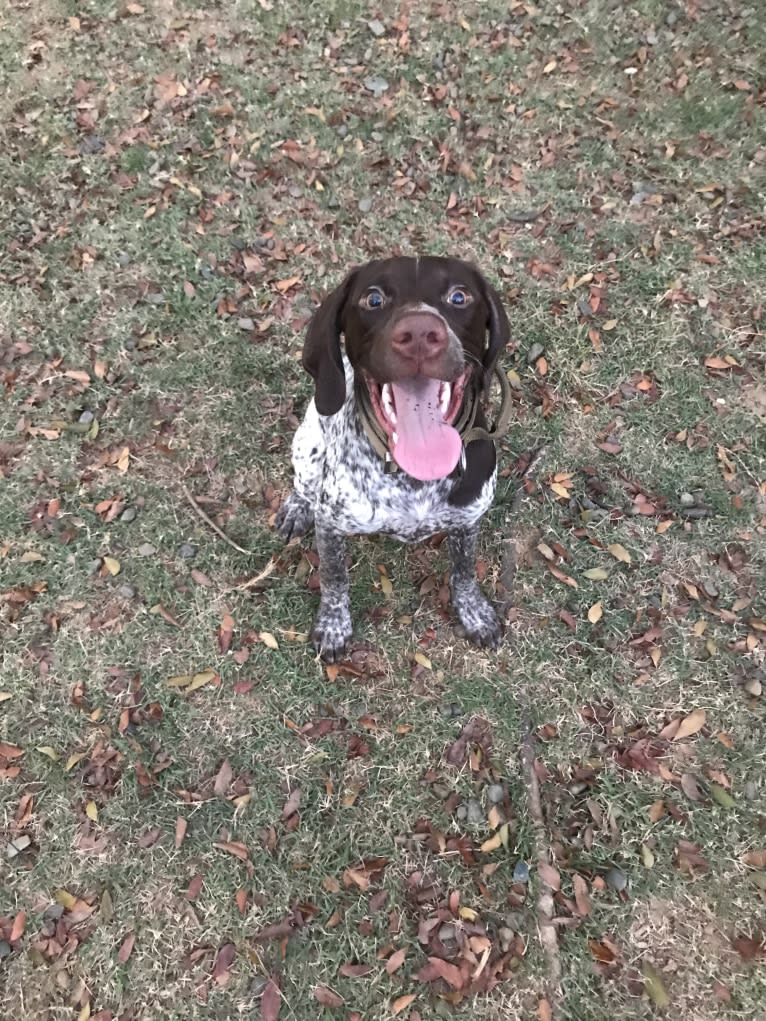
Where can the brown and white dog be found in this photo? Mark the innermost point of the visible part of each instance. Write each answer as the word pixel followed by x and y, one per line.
pixel 395 438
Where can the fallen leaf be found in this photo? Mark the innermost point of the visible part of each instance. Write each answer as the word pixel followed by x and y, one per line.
pixel 271 1001
pixel 396 960
pixel 437 967
pixel 582 899
pixel 749 948
pixel 112 565
pixel 595 613
pixel 402 1003
pixel 755 859
pixel 91 810
pixel 693 723
pixel 596 574
pixel 17 929
pixel 328 998
pixel 549 875
pixel 655 988
pixel 620 553
pixel 223 962
pixel 355 970
pixel 269 640
pixel 223 780
pixel 127 948
pixel 544 1011
pixel 181 825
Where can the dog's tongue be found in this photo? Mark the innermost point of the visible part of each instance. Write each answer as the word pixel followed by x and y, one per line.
pixel 426 447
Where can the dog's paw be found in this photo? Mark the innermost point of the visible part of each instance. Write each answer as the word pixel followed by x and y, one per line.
pixel 331 634
pixel 478 618
pixel 295 518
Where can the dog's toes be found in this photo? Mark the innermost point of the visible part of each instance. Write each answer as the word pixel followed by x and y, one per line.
pixel 479 621
pixel 331 635
pixel 294 518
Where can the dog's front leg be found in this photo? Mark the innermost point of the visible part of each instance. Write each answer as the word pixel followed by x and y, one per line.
pixel 473 609
pixel 332 629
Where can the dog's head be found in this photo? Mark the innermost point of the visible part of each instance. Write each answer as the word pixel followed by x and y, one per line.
pixel 416 332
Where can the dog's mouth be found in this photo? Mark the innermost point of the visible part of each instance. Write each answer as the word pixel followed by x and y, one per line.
pixel 417 415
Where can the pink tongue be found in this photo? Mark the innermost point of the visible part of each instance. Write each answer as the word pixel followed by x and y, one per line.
pixel 426 447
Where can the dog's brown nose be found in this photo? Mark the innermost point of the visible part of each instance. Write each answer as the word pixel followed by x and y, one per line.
pixel 419 336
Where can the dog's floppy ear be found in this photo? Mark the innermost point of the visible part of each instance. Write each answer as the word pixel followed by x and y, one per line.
pixel 498 329
pixel 321 350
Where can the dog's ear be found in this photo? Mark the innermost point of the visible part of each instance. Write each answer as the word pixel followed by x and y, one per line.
pixel 321 350
pixel 498 328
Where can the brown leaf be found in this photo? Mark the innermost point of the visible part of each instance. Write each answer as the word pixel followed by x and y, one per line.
pixel 438 968
pixel 271 1001
pixel 402 1003
pixel 292 804
pixel 17 929
pixel 396 960
pixel 544 1011
pixel 233 847
pixel 756 859
pixel 549 875
pixel 223 780
pixel 240 899
pixel 693 723
pixel 327 997
pixel 223 962
pixel 561 576
pixel 10 751
pixel 181 825
pixel 690 787
pixel 750 948
pixel 355 970
pixel 582 900
pixel 194 887
pixel 277 930
pixel 127 948
pixel 656 811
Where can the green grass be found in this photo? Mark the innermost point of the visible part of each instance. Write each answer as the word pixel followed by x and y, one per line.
pixel 117 191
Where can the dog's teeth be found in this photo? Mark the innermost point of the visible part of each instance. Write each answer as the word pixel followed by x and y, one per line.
pixel 387 399
pixel 444 395
pixel 394 437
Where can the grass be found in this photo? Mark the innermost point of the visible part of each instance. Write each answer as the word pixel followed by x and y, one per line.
pixel 147 150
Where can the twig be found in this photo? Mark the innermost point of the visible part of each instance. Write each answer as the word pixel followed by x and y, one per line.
pixel 545 906
pixel 255 580
pixel 213 525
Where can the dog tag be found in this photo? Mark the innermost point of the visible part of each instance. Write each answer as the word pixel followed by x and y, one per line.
pixel 390 466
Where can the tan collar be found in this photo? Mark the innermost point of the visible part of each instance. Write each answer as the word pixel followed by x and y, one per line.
pixel 464 422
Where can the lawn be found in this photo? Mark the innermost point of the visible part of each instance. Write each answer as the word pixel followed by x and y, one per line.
pixel 201 820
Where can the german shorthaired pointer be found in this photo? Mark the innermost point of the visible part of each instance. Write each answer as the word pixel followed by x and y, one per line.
pixel 395 440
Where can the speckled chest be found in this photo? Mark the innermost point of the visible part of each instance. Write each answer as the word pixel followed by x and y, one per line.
pixel 345 481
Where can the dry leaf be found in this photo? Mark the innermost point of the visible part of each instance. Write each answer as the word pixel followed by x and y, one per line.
pixel 549 875
pixel 582 900
pixel 127 948
pixel 271 1001
pixel 693 723
pixel 328 998
pixel 620 553
pixel 223 780
pixel 402 1003
pixel 595 613
pixel 396 960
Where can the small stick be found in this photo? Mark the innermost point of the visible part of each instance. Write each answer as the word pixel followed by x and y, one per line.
pixel 212 524
pixel 545 905
pixel 255 580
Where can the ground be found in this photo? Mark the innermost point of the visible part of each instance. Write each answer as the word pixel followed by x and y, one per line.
pixel 199 819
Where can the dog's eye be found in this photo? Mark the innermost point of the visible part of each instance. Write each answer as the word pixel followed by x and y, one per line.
pixel 373 299
pixel 459 297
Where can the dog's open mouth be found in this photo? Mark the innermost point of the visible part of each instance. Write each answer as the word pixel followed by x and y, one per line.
pixel 417 415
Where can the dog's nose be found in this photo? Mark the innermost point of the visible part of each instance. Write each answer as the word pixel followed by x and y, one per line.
pixel 419 336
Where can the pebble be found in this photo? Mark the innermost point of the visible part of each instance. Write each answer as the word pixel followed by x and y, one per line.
pixel 126 592
pixel 146 550
pixel 687 500
pixel 364 205
pixel 521 872
pixel 514 921
pixel 91 145
pixel 495 793
pixel 246 323
pixel 376 85
pixel 750 790
pixel 376 27
pixel 93 567
pixel 456 709
pixel 128 515
pixel 53 912
pixel 446 932
pixel 617 879
pixel 505 935
pixel 462 811
pixel 753 686
pixel 186 551
pixel 86 418
pixel 534 353
pixel 441 790
pixel 475 813
pixel 5 948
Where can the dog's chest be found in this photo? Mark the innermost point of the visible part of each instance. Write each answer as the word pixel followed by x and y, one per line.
pixel 345 481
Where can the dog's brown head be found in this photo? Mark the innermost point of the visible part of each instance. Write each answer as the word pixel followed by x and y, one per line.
pixel 416 332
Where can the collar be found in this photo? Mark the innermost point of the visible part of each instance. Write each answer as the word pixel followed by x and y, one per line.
pixel 464 422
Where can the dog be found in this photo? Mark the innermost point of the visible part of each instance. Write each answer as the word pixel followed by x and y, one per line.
pixel 395 440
